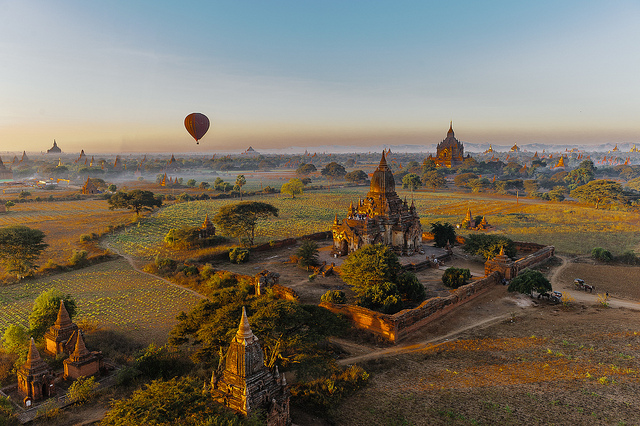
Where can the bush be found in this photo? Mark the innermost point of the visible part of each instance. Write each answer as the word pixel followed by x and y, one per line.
pixel 529 281
pixel 308 253
pixel 334 296
pixel 628 257
pixel 78 258
pixel 85 237
pixel 456 277
pixel 383 297
pixel 165 265
pixel 488 246
pixel 410 288
pixel 239 255
pixel 443 233
pixel 82 389
pixel 601 254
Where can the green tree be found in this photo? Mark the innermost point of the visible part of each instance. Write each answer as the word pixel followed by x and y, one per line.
pixel 308 253
pixel 443 233
pixel 531 186
pixel 191 183
pixel 203 185
pixel 334 296
pixel 16 338
pixel 24 194
pixel 136 200
pixel 333 171
pixel 306 169
pixel 240 182
pixel 82 389
pixel 9 204
pixel 601 254
pixel 356 176
pixel 632 184
pixel 434 180
pixel 20 247
pixel 599 192
pixel 112 188
pixel 488 246
pixel 462 179
pixel 178 401
pixel 477 185
pixel 293 187
pixel 411 181
pixel 428 165
pixel 239 220
pixel 529 281
pixel 456 277
pixel 45 310
pixel 378 280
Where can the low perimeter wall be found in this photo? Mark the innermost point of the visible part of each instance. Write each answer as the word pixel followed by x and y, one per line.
pixel 398 326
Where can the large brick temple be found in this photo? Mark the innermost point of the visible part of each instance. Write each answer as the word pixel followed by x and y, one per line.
pixel 381 218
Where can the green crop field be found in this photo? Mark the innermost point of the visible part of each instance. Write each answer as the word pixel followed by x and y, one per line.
pixel 111 295
pixel 572 228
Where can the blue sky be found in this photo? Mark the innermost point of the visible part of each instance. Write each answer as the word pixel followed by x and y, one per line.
pixel 122 75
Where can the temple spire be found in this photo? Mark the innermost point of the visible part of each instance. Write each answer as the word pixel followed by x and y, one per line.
pixel 80 350
pixel 244 330
pixel 63 315
pixel 383 163
pixel 33 357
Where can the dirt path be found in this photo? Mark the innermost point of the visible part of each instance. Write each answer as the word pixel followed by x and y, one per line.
pixel 414 347
pixel 131 262
pixel 584 297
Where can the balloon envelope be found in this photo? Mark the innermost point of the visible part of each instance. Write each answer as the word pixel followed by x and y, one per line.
pixel 197 125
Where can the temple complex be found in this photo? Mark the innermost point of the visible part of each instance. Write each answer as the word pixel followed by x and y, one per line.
pixel 54 149
pixel 450 152
pixel 62 335
pixel 247 384
pixel 470 223
pixel 381 218
pixel 35 378
pixel 81 361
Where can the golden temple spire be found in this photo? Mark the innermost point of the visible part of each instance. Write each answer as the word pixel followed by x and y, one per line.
pixel 63 315
pixel 244 331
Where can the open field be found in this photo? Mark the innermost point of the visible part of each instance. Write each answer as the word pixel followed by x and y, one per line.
pixel 541 364
pixel 63 222
pixel 572 228
pixel 110 295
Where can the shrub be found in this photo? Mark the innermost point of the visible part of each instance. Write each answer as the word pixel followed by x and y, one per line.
pixel 410 288
pixel 85 237
pixel 334 296
pixel 165 265
pixel 383 297
pixel 443 233
pixel 529 281
pixel 601 254
pixel 628 257
pixel 456 277
pixel 82 389
pixel 78 258
pixel 308 253
pixel 239 255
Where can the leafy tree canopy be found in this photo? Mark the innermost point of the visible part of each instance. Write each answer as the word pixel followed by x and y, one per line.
pixel 239 220
pixel 411 181
pixel 488 246
pixel 293 187
pixel 306 169
pixel 356 176
pixel 443 233
pixel 599 192
pixel 45 310
pixel 456 277
pixel 308 253
pixel 434 180
pixel 20 247
pixel 136 200
pixel 333 171
pixel 529 281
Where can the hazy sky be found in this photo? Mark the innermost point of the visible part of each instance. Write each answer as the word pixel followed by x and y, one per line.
pixel 109 76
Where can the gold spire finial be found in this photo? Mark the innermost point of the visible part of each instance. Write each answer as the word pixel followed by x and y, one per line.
pixel 244 331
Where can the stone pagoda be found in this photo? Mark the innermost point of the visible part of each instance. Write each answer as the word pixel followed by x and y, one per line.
pixel 35 378
pixel 207 229
pixel 247 384
pixel 62 335
pixel 81 361
pixel 381 218
pixel 55 149
pixel 450 152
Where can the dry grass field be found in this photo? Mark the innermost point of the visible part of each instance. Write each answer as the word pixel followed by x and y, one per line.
pixel 540 364
pixel 63 222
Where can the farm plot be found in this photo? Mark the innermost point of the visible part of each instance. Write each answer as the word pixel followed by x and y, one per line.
pixel 63 222
pixel 312 212
pixel 110 295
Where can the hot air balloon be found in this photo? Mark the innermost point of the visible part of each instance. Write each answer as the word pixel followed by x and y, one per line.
pixel 197 125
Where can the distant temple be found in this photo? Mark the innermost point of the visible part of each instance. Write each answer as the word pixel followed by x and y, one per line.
pixel 81 361
pixel 490 149
pixel 450 152
pixel 90 188
pixel 5 173
pixel 250 152
pixel 515 148
pixel 54 149
pixel 61 336
pixel 246 384
pixel 560 164
pixel 381 217
pixel 207 229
